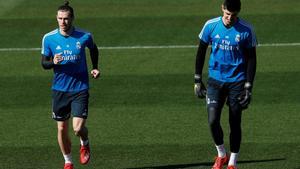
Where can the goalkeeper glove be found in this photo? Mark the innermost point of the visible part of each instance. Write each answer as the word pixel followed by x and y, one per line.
pixel 245 97
pixel 199 88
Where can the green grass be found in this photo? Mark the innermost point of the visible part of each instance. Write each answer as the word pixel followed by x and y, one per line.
pixel 143 113
pixel 145 22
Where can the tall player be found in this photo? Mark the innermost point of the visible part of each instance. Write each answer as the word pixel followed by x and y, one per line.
pixel 63 50
pixel 231 72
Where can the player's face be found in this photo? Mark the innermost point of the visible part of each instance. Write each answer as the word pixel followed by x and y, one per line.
pixel 64 20
pixel 229 18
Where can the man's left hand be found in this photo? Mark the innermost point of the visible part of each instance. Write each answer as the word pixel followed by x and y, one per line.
pixel 245 98
pixel 95 73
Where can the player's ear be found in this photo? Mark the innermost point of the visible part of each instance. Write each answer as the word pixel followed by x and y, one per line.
pixel 72 18
pixel 222 7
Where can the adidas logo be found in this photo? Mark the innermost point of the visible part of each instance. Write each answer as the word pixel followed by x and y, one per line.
pixel 217 36
pixel 58 47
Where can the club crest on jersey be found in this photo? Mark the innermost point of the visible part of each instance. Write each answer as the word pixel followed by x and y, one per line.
pixel 78 45
pixel 237 38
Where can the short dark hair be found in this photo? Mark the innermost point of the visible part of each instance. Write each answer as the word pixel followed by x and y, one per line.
pixel 66 7
pixel 232 5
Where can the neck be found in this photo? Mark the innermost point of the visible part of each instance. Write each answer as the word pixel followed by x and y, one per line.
pixel 67 32
pixel 230 24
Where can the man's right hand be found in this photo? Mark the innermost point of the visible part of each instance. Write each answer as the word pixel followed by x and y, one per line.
pixel 57 59
pixel 199 87
pixel 200 90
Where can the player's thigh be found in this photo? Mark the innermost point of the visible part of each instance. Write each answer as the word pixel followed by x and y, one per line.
pixel 79 104
pixel 215 99
pixel 234 91
pixel 61 106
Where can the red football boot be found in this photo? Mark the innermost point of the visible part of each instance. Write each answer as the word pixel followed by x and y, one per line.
pixel 232 167
pixel 84 154
pixel 68 166
pixel 219 162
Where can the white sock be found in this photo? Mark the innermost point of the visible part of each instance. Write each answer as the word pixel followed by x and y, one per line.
pixel 233 159
pixel 68 158
pixel 84 143
pixel 221 150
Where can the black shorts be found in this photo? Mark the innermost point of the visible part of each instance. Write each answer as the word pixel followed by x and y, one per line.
pixel 218 92
pixel 66 103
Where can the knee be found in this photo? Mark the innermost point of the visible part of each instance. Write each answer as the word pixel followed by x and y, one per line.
pixel 79 126
pixel 62 128
pixel 213 116
pixel 80 130
pixel 77 130
pixel 235 115
pixel 235 109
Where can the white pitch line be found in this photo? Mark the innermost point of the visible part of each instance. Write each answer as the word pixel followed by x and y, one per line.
pixel 18 49
pixel 278 44
pixel 148 47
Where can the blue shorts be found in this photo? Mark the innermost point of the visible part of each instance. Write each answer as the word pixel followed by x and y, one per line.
pixel 218 92
pixel 66 103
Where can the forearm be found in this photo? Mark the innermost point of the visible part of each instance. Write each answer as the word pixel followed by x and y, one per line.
pixel 200 59
pixel 94 53
pixel 47 62
pixel 251 65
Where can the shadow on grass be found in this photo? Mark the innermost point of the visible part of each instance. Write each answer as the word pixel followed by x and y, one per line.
pixel 204 164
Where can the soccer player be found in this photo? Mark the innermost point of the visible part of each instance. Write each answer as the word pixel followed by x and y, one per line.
pixel 63 50
pixel 231 72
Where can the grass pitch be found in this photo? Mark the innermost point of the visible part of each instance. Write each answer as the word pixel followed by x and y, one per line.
pixel 143 113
